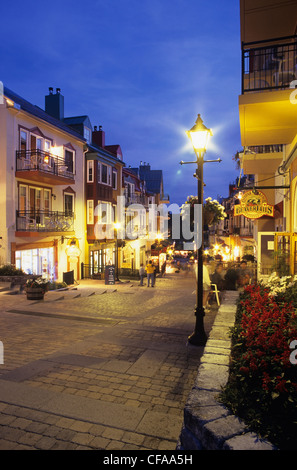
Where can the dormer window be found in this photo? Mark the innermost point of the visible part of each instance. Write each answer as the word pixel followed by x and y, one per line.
pixel 87 134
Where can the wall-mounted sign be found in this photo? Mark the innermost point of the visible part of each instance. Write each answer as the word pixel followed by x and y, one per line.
pixel 254 205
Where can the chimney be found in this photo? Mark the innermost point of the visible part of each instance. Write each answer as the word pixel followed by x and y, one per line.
pixel 98 137
pixel 54 104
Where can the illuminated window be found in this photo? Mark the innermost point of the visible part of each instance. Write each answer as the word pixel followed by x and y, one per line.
pixel 90 171
pixel 90 212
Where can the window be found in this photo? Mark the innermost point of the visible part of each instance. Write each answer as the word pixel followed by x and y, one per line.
pixel 103 174
pixel 90 211
pixel 23 142
pixel 87 134
pixel 90 171
pixel 23 197
pixel 114 179
pixel 99 172
pixel 36 142
pixel 47 146
pixel 69 160
pixel 46 199
pixel 68 204
pixel 105 212
pixel 34 199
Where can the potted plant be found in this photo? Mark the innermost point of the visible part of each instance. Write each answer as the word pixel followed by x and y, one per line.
pixel 36 288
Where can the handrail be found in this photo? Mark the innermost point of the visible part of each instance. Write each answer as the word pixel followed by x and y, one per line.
pixel 272 66
pixel 44 221
pixel 35 159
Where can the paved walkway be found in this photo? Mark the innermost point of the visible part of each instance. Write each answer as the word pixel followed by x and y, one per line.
pixel 98 367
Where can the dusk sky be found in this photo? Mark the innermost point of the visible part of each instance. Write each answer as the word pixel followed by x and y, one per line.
pixel 141 69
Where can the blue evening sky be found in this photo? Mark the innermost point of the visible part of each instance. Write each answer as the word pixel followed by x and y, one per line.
pixel 143 69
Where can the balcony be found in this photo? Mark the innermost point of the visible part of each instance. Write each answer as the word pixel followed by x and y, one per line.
pixel 37 165
pixel 269 66
pixel 267 114
pixel 134 199
pixel 262 159
pixel 44 221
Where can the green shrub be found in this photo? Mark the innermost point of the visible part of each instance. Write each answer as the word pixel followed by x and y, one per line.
pixel 53 285
pixel 10 270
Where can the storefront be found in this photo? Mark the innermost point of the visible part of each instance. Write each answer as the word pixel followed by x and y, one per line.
pixel 101 257
pixel 38 261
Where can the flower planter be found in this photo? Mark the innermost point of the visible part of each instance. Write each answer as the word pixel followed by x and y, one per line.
pixel 35 293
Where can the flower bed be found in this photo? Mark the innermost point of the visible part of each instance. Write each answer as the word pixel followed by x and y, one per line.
pixel 262 386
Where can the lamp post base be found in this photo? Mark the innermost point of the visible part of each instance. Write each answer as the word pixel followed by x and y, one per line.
pixel 198 337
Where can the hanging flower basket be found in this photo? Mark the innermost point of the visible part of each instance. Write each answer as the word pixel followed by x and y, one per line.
pixel 213 211
pixel 36 288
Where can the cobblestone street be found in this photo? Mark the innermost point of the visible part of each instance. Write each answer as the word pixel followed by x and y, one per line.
pixel 98 367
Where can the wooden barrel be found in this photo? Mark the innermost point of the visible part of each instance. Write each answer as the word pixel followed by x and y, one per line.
pixel 35 293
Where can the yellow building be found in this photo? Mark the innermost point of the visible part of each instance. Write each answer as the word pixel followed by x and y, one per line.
pixel 268 122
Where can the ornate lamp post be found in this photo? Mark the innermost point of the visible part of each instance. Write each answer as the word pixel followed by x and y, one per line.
pixel 199 136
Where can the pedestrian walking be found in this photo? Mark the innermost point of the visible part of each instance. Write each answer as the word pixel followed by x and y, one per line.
pixel 141 274
pixel 150 269
pixel 206 281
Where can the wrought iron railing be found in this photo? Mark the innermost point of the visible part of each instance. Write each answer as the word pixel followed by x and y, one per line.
pixel 44 221
pixel 269 65
pixel 134 199
pixel 89 271
pixel 32 160
pixel 278 148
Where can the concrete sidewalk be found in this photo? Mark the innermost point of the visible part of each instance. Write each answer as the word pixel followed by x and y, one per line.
pixel 98 367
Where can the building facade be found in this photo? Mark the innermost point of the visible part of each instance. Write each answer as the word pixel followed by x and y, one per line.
pixel 69 204
pixel 268 123
pixel 42 186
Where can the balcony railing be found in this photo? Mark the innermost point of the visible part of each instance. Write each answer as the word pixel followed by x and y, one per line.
pixel 267 148
pixel 32 160
pixel 269 65
pixel 44 221
pixel 134 199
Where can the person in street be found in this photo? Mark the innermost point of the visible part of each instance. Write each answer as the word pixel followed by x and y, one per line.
pixel 150 269
pixel 216 277
pixel 163 269
pixel 243 275
pixel 141 274
pixel 206 280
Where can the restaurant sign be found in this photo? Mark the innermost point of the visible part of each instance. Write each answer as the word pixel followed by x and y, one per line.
pixel 254 205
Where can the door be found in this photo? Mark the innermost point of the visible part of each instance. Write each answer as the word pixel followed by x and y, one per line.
pixel 36 147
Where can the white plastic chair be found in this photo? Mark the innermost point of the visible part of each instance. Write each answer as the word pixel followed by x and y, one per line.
pixel 216 291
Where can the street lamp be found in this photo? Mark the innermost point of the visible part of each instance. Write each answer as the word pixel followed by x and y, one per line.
pixel 117 227
pixel 199 136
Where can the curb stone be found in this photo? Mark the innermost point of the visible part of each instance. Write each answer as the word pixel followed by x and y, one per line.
pixel 209 425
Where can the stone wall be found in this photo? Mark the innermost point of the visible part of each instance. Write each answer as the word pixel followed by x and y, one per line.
pixel 208 425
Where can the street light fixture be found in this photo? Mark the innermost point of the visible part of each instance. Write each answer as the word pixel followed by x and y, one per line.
pixel 199 136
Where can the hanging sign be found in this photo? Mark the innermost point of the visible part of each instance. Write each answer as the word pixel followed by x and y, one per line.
pixel 254 205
